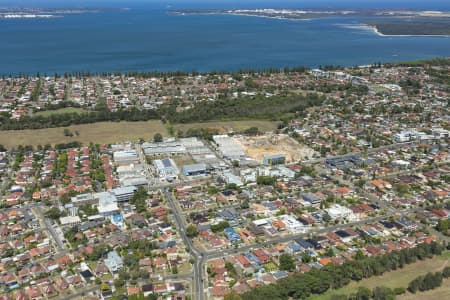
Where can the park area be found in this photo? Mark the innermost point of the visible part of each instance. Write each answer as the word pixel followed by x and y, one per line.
pixel 230 126
pixel 99 133
pixel 65 110
pixel 398 278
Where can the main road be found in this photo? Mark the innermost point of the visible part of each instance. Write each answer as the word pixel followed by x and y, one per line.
pixel 50 229
pixel 199 258
pixel 320 230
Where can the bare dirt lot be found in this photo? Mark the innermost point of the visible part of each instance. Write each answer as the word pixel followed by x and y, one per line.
pixel 258 146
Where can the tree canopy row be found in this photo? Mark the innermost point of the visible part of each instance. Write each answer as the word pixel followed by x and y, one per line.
pixel 318 281
pixel 257 107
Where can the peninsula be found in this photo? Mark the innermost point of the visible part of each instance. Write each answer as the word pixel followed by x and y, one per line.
pixel 384 22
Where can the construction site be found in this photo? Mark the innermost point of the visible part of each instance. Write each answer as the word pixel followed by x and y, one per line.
pixel 268 144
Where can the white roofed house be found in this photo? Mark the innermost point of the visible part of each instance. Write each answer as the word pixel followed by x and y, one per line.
pixel 113 262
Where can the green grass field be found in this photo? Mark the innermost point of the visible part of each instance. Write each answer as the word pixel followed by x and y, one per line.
pixel 226 126
pixel 393 279
pixel 115 132
pixel 65 110
pixel 101 133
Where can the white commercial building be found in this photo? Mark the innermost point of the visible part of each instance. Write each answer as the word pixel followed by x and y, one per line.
pixel 292 224
pixel 168 147
pixel 70 220
pixel 339 212
pixel 230 178
pixel 125 157
pixel 228 147
pixel 107 204
pixel 405 136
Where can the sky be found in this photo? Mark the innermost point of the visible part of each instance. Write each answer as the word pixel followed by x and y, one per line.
pixel 417 4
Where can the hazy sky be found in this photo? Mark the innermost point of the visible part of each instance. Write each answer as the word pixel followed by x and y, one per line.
pixel 254 3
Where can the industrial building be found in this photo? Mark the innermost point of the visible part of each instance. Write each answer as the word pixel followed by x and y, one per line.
pixel 228 147
pixel 133 180
pixel 194 170
pixel 166 168
pixel 199 151
pixel 125 157
pixel 131 169
pixel 274 159
pixel 230 178
pixel 166 148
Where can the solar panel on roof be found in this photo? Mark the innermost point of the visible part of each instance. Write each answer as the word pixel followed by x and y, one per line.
pixel 166 163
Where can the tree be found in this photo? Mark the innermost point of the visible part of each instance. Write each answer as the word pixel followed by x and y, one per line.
pixel 265 180
pixel 306 258
pixel 401 188
pixel 443 226
pixel 232 296
pixel 53 213
pixel 383 293
pixel 245 204
pixel 329 252
pixel 339 297
pixel 252 131
pixel 446 272
pixel 67 132
pixel 174 270
pixel 219 226
pixel 301 286
pixel 157 138
pixel 191 231
pixel 139 200
pixel 363 293
pixel 359 255
pixel 286 262
pixel 413 286
pixel 326 218
pixel 118 283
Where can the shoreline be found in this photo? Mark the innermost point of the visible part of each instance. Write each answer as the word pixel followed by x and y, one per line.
pixel 363 26
pixel 377 32
pixel 245 15
pixel 374 29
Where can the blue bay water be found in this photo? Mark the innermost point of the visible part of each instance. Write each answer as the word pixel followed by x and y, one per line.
pixel 147 38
